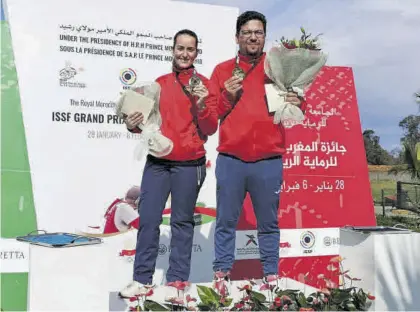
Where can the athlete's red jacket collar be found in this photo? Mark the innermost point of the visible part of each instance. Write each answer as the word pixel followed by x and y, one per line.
pixel 250 59
pixel 185 71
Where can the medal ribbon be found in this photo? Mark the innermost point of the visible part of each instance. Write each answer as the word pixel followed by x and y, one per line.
pixel 254 64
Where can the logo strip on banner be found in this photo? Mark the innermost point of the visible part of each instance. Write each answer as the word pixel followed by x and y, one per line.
pixel 293 243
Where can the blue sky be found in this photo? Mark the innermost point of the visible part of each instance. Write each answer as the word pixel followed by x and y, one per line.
pixel 379 39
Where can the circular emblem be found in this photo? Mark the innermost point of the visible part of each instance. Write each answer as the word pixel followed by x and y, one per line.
pixel 307 240
pixel 128 76
pixel 327 241
pixel 162 249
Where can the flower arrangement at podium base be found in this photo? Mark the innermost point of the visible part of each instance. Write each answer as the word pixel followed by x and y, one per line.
pixel 144 98
pixel 291 65
pixel 267 296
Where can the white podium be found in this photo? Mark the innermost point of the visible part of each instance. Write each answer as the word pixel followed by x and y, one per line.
pixel 388 262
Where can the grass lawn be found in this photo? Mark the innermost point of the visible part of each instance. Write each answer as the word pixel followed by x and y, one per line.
pixel 389 187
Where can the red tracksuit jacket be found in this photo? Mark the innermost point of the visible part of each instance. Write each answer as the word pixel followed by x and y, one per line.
pixel 178 110
pixel 246 129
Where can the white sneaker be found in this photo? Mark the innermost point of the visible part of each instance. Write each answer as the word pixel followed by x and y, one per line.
pixel 135 289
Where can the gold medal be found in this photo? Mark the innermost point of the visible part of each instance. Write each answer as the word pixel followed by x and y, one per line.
pixel 238 72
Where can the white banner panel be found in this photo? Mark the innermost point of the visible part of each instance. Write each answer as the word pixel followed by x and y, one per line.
pixel 73 59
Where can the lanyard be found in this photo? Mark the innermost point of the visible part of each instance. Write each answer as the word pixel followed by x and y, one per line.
pixel 190 97
pixel 238 71
pixel 193 82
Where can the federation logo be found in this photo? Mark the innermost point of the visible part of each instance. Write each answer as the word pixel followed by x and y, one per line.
pixel 162 249
pixel 307 241
pixel 251 240
pixel 128 77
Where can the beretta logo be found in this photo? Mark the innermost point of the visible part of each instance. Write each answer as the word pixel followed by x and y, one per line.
pixel 163 249
pixel 331 241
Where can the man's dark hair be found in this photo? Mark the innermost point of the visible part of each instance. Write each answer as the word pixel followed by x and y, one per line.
pixel 186 32
pixel 248 16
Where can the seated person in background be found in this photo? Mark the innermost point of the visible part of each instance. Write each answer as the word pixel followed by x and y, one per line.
pixel 122 214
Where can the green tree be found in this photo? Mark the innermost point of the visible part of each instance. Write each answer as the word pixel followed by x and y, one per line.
pixel 411 156
pixel 375 154
pixel 410 126
pixel 410 142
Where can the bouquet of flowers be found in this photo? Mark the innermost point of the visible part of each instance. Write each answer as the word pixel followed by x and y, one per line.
pixel 144 98
pixel 291 66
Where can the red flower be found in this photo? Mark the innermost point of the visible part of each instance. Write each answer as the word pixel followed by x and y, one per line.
pixel 285 298
pixel 370 296
pixel 245 287
pixel 149 293
pixel 221 288
pixel 277 301
pixel 239 305
pixel 208 164
pixel 132 299
pixel 190 299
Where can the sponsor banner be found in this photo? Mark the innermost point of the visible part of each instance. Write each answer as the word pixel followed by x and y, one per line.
pixel 293 243
pixel 14 256
pixel 72 68
pixel 325 161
